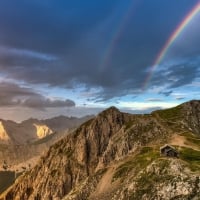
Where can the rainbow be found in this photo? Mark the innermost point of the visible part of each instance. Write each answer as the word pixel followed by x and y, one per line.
pixel 106 58
pixel 171 40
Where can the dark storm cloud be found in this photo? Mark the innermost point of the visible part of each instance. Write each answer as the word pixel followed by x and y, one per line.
pixel 66 44
pixel 49 26
pixel 42 102
pixel 12 94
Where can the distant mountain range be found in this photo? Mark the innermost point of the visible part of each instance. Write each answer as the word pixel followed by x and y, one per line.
pixel 117 155
pixel 31 130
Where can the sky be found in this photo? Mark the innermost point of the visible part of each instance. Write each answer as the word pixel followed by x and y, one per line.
pixel 79 57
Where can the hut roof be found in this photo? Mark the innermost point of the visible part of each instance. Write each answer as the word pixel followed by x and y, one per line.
pixel 169 146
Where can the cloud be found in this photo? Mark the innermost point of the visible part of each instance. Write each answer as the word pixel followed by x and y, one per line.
pixel 154 99
pixel 18 114
pixel 114 81
pixel 144 111
pixel 12 94
pixel 21 53
pixel 166 93
pixel 78 42
pixel 146 106
pixel 41 102
pixel 180 98
pixel 176 74
pixel 55 29
pixel 64 46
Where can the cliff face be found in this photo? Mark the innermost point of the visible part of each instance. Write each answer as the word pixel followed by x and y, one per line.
pixel 42 131
pixel 192 117
pixel 116 156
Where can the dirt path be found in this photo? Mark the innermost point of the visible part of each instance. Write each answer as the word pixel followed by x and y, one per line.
pixel 105 187
pixel 182 141
pixel 178 140
pixel 106 181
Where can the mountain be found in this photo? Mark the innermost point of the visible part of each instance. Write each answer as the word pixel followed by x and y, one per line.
pixel 21 141
pixel 60 123
pixel 18 134
pixel 21 144
pixel 31 130
pixel 117 156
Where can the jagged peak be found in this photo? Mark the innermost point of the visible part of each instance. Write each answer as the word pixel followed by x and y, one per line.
pixel 30 121
pixel 110 110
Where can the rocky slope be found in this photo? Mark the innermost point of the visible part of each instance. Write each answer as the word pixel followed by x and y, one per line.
pixel 21 145
pixel 21 142
pixel 116 156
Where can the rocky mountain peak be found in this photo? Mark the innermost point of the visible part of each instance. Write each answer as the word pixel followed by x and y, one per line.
pixel 110 110
pixel 112 115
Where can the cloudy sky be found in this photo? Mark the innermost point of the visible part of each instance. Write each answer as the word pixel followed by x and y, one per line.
pixel 78 57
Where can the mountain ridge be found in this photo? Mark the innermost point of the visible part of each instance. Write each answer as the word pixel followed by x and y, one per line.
pixel 127 145
pixel 33 129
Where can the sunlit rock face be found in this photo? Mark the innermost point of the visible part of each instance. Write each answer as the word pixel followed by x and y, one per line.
pixel 42 130
pixel 3 134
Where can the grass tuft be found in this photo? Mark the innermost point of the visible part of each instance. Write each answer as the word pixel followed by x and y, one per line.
pixel 192 157
pixel 144 158
pixel 170 114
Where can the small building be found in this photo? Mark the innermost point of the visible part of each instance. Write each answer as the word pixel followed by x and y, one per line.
pixel 168 151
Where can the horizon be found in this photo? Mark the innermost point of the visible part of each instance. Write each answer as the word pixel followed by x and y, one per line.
pixel 79 58
pixel 78 116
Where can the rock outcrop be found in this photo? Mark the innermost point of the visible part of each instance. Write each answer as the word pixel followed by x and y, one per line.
pixel 42 131
pixel 4 137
